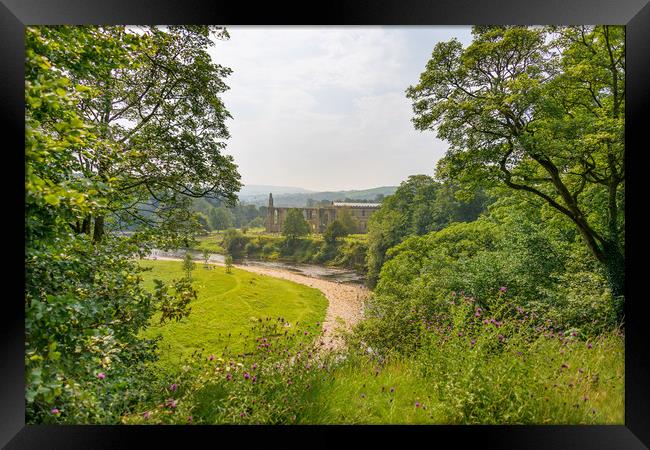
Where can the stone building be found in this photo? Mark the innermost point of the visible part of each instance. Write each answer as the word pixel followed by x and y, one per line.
pixel 320 217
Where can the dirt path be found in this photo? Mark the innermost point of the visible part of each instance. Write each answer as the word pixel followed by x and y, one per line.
pixel 345 301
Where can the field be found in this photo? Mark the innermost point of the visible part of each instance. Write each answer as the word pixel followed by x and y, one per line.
pixel 227 306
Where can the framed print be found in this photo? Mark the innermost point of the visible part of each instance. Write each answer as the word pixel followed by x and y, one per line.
pixel 398 217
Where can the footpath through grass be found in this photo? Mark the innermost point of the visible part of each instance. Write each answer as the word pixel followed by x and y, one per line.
pixel 228 305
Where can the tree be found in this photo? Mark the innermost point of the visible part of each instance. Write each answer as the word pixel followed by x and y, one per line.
pixel 334 231
pixel 206 258
pixel 188 265
pixel 295 225
pixel 154 105
pixel 221 218
pixel 203 221
pixel 541 111
pixel 228 262
pixel 85 305
pixel 349 223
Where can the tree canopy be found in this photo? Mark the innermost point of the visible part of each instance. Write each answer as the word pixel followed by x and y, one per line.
pixel 295 225
pixel 539 109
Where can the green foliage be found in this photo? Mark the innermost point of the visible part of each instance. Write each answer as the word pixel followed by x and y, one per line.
pixel 295 225
pixel 539 110
pixel 221 218
pixel 418 206
pixel 98 147
pixel 234 243
pixel 334 231
pixel 269 383
pixel 228 262
pixel 347 220
pixel 496 367
pixel 188 265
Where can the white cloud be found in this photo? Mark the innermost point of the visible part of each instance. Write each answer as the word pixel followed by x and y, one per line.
pixel 324 108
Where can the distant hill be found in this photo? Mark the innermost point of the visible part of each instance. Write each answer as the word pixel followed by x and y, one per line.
pixel 252 190
pixel 259 195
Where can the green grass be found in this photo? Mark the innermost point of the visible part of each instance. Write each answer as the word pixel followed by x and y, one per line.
pixel 359 392
pixel 211 243
pixel 227 304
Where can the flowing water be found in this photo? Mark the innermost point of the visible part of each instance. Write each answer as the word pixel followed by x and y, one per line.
pixel 311 270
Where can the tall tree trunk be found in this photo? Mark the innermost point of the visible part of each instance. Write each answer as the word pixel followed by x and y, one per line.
pixel 85 225
pixel 98 232
pixel 615 270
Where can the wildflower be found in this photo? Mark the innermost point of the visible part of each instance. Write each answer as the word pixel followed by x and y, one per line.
pixel 55 411
pixel 502 289
pixel 146 414
pixel 101 375
pixel 306 333
pixel 472 342
pixel 211 358
pixel 501 338
pixel 585 398
pixel 254 379
pixel 173 387
pixel 565 366
pixel 189 419
pixel 242 414
pixel 171 403
pixel 589 345
pixel 254 366
pixel 417 404
pixel 453 293
pixel 229 376
pixel 246 376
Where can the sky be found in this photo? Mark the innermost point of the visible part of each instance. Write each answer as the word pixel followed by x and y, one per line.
pixel 324 108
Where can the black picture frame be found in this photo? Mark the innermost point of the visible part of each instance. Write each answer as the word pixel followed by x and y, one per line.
pixel 635 14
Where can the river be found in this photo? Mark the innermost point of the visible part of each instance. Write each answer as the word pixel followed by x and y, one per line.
pixel 310 270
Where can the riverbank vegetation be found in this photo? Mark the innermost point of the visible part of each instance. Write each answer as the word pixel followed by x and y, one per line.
pixel 497 284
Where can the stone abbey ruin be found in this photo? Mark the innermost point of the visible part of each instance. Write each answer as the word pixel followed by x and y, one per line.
pixel 320 217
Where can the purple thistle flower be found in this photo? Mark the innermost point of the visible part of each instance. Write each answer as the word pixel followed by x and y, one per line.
pixel 211 358
pixel 229 376
pixel 189 419
pixel 101 375
pixel 246 376
pixel 589 345
pixel 173 387
pixel 254 366
pixel 55 411
pixel 502 289
pixel 254 379
pixel 472 342
pixel 417 404
pixel 501 338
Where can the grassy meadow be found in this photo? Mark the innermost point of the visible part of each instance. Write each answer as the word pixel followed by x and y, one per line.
pixel 226 306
